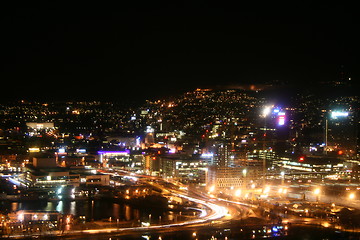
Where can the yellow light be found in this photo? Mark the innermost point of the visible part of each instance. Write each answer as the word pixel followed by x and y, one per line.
pixel 351 196
pixel 34 149
pixel 238 192
pixel 326 224
pixel 317 191
pixel 212 188
pixel 266 189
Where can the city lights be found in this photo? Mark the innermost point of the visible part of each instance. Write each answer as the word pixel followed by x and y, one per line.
pixel 266 111
pixel 180 122
pixel 352 196
pixel 337 114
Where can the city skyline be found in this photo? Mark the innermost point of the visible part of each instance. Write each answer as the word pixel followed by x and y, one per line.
pixel 196 121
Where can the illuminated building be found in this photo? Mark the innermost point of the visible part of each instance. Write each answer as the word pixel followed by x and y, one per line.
pixel 50 177
pixel 33 217
pixel 44 173
pixel 355 173
pixel 95 179
pixel 117 156
pixel 38 128
pixel 224 158
pixel 340 132
pixel 228 177
pixel 315 164
pixel 151 164
pixel 128 142
pixel 184 168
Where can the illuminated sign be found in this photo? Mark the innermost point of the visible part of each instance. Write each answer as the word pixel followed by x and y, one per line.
pixel 34 149
pixel 62 151
pixel 281 121
pixel 81 150
pixel 114 153
pixel 281 118
pixel 206 155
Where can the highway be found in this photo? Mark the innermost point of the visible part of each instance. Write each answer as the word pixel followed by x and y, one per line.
pixel 214 212
pixel 210 211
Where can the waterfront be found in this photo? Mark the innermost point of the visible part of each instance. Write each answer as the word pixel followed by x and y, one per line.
pixel 91 209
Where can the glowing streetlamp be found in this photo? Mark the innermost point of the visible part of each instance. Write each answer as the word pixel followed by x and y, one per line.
pixel 317 194
pixel 282 174
pixel 266 111
pixel 352 196
pixel 266 189
pixel 212 189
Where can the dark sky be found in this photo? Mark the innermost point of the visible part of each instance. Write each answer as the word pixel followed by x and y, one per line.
pixel 120 52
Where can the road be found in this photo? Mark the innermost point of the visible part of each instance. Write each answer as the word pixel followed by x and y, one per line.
pixel 211 211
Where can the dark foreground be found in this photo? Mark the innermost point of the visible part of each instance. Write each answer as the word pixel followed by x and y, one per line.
pixel 254 232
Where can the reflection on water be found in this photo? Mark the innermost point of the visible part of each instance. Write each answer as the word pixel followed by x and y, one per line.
pixel 14 206
pixel 127 213
pixel 92 209
pixel 59 207
pixel 73 208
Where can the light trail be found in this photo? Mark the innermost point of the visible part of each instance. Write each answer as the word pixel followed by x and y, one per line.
pixel 215 212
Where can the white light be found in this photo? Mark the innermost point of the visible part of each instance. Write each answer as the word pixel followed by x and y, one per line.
pixel 149 129
pixel 336 114
pixel 266 111
pixel 207 155
pixel 61 150
pixel 21 217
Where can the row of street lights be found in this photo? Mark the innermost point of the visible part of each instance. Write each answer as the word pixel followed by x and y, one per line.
pixel 317 193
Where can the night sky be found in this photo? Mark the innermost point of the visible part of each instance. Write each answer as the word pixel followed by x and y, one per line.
pixel 121 52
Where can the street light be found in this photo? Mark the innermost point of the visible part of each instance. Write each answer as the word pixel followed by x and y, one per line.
pixel 267 189
pixel 212 189
pixel 352 196
pixel 266 111
pixel 317 193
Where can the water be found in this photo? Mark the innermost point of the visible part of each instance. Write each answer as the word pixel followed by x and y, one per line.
pixel 91 209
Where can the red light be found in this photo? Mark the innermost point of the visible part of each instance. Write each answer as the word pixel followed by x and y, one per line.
pixel 340 152
pixel 301 159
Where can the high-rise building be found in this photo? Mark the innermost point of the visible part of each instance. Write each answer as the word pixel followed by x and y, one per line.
pixel 224 158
